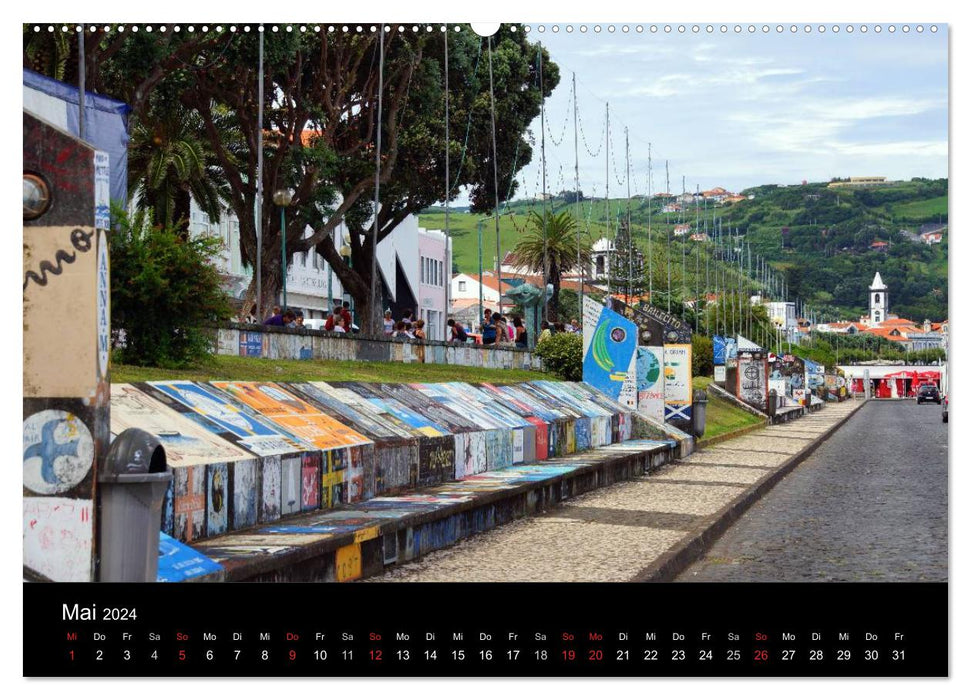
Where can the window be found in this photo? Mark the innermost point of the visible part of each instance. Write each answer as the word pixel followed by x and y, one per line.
pixel 600 265
pixel 461 285
pixel 876 298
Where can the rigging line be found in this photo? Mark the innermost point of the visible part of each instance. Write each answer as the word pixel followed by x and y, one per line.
pixel 495 173
pixel 566 119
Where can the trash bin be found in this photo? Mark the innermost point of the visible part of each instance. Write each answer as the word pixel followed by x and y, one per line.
pixel 699 407
pixel 773 402
pixel 132 486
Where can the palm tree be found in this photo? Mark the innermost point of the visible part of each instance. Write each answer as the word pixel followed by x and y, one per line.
pixel 168 163
pixel 559 250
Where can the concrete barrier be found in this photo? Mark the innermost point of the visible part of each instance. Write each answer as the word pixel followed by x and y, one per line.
pixel 277 343
pixel 251 453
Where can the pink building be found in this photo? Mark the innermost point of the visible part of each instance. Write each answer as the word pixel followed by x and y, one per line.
pixel 434 274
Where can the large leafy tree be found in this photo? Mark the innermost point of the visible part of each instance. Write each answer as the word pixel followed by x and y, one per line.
pixel 321 123
pixel 557 251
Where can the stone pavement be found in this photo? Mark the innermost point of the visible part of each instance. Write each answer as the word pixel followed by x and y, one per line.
pixel 645 529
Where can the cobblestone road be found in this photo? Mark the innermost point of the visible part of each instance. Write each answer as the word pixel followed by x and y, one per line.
pixel 613 533
pixel 869 505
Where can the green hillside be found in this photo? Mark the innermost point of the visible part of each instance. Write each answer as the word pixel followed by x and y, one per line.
pixel 828 263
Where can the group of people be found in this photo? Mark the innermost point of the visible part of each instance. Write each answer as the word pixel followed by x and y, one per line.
pixel 550 329
pixel 496 330
pixel 337 320
pixel 406 328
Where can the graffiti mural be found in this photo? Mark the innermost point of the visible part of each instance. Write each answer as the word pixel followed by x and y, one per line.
pixel 753 380
pixel 246 489
pixel 293 414
pixel 677 382
pixel 186 443
pixel 217 499
pixel 218 413
pixel 290 483
pixel 609 343
pixel 58 537
pixel 650 381
pixel 58 452
pixel 189 502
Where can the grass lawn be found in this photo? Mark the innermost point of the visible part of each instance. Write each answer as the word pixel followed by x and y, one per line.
pixel 255 369
pixel 722 416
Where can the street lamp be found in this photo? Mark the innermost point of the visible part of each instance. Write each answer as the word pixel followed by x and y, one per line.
pixel 282 199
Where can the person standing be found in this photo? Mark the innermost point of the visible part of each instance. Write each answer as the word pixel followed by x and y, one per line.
pixel 388 322
pixel 489 330
pixel 419 331
pixel 346 315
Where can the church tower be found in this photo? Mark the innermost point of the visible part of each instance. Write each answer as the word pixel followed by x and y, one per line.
pixel 878 301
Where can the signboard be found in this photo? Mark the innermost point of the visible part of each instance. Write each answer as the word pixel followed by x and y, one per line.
pixel 650 381
pixel 719 374
pixel 677 382
pixel 609 357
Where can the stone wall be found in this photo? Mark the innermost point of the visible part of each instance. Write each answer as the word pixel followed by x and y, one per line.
pixel 277 343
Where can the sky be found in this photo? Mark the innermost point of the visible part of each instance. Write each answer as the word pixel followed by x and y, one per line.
pixel 742 109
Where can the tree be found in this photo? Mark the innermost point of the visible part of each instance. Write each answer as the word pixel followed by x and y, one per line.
pixel 556 252
pixel 321 124
pixel 169 163
pixel 627 271
pixel 164 291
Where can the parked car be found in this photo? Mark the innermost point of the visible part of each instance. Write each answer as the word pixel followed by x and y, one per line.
pixel 928 392
pixel 944 409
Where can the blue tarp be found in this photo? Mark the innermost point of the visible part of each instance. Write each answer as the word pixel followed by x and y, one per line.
pixel 105 125
pixel 719 345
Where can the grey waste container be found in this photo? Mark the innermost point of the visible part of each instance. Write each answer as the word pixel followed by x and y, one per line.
pixel 773 402
pixel 132 486
pixel 699 409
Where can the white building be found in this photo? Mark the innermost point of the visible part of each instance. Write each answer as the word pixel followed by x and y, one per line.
pixel 782 314
pixel 879 301
pixel 414 265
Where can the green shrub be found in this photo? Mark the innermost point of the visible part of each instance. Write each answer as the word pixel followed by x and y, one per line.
pixel 164 291
pixel 562 354
pixel 702 356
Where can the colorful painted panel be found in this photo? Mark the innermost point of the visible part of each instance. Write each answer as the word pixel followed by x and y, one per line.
pixel 177 562
pixel 253 344
pixel 220 414
pixel 190 503
pixel 363 419
pixel 291 482
pixel 186 443
pixel 677 382
pixel 293 414
pixel 609 343
pixel 650 381
pixel 310 481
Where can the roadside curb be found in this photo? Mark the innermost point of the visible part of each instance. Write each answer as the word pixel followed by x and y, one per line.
pixel 708 442
pixel 690 548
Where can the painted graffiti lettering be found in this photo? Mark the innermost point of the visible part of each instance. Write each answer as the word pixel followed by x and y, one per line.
pixel 81 241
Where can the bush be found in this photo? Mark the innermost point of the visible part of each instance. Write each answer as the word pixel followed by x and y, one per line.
pixel 702 356
pixel 562 354
pixel 164 291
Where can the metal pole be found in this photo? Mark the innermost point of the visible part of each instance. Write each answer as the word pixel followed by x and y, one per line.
pixel 283 247
pixel 81 79
pixel 372 301
pixel 542 146
pixel 630 233
pixel 650 249
pixel 258 204
pixel 448 185
pixel 576 184
pixel 481 305
pixel 495 180
pixel 610 267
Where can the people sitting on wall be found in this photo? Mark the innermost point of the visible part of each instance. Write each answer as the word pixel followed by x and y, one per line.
pixel 275 319
pixel 502 329
pixel 388 322
pixel 406 316
pixel 346 315
pixel 250 317
pixel 419 329
pixel 298 321
pixel 401 332
pixel 341 325
pixel 458 334
pixel 330 320
pixel 289 319
pixel 520 336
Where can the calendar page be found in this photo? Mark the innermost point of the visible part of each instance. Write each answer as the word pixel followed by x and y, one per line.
pixel 524 349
